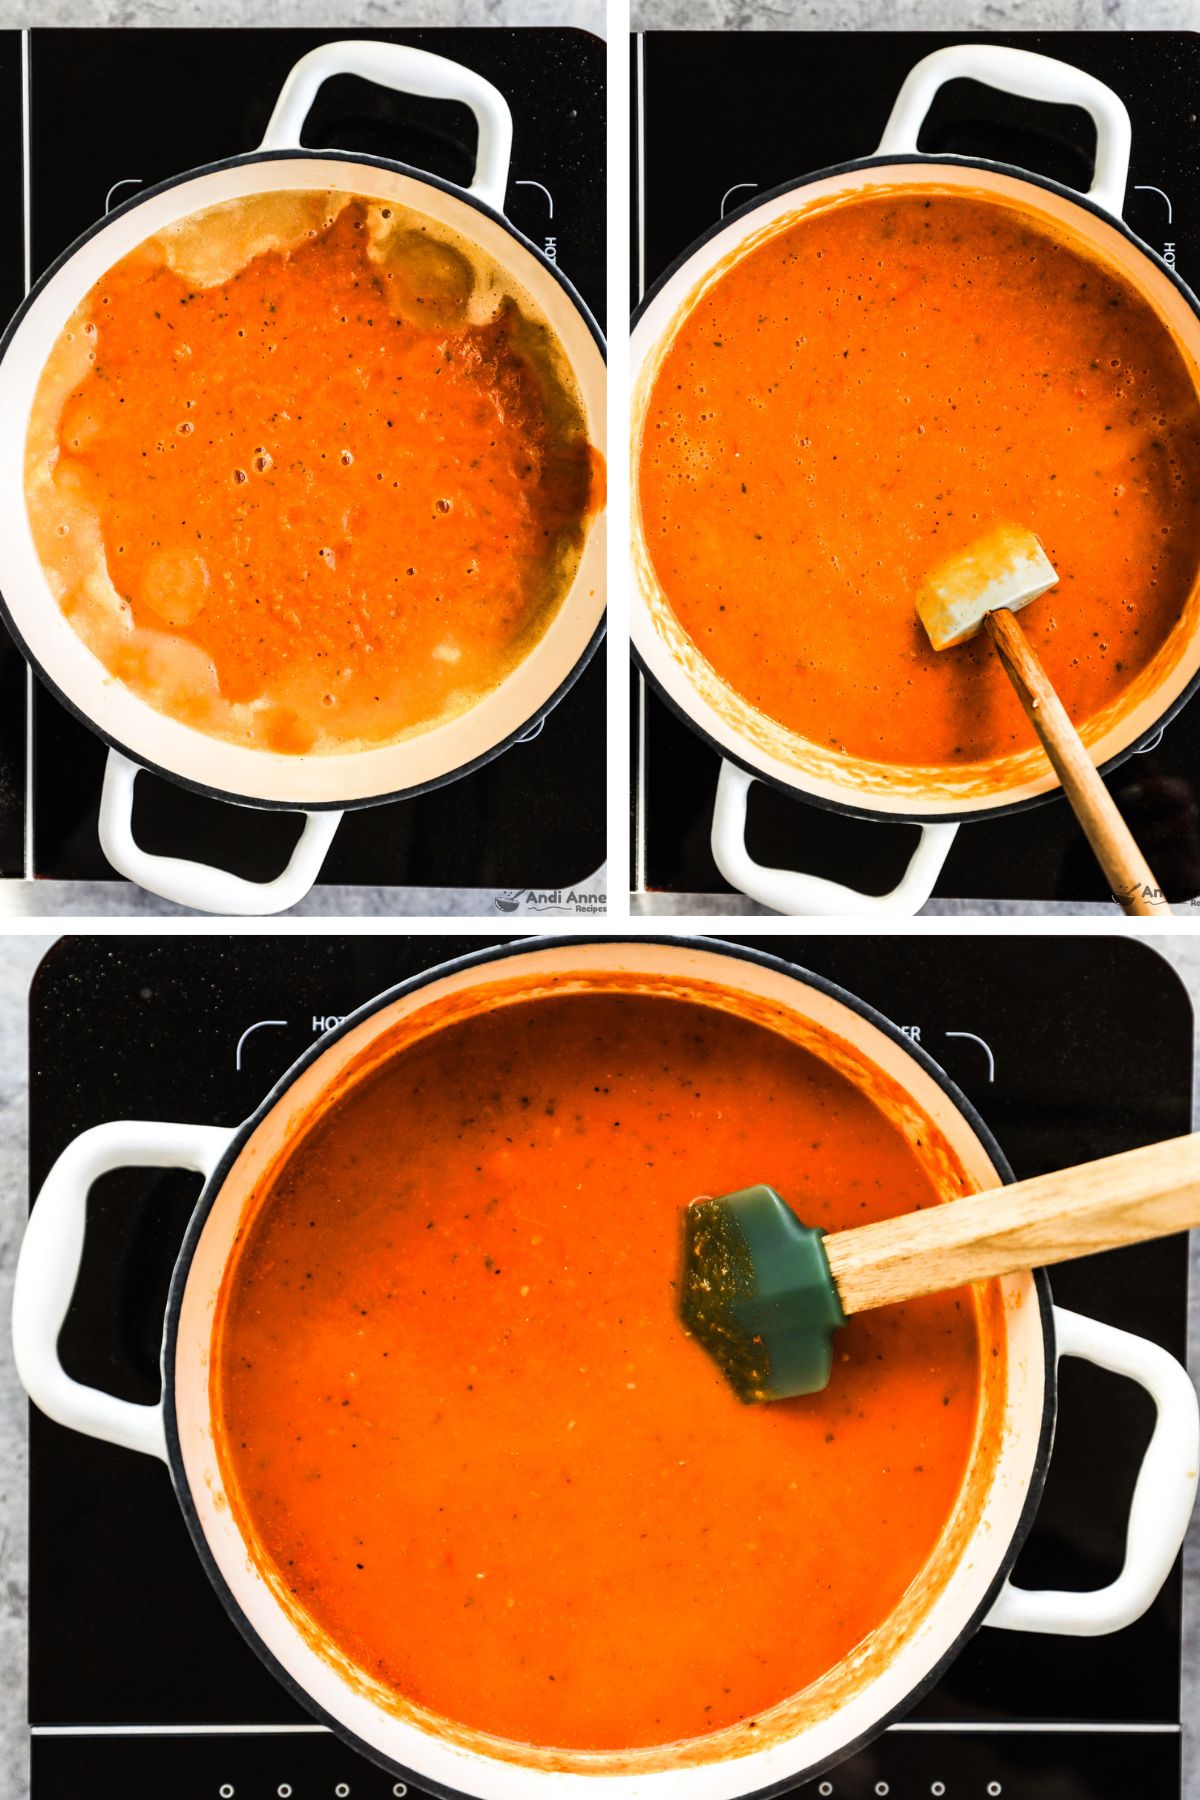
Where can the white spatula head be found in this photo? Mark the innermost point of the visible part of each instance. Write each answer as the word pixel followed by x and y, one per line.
pixel 1006 568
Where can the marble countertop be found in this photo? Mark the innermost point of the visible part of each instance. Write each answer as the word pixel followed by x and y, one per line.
pixel 587 15
pixel 719 906
pixel 19 957
pixel 928 15
pixel 122 899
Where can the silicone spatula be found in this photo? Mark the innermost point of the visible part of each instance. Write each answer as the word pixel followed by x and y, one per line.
pixel 982 588
pixel 765 1294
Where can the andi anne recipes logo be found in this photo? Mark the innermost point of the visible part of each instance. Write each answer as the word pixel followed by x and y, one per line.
pixel 1137 889
pixel 549 900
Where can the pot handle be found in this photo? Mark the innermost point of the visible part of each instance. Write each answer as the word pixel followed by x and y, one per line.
pixel 812 896
pixel 48 1268
pixel 199 885
pixel 408 71
pixel 1032 77
pixel 1162 1498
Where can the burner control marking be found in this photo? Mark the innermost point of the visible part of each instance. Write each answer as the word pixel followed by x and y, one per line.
pixel 736 189
pixel 1168 256
pixel 984 1046
pixel 913 1034
pixel 237 1061
pixel 550 244
pixel 125 181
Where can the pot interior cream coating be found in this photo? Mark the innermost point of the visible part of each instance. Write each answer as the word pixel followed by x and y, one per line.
pixel 152 737
pixel 747 734
pixel 880 1675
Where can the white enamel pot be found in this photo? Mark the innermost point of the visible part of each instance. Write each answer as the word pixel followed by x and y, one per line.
pixel 966 1583
pixel 139 736
pixel 754 747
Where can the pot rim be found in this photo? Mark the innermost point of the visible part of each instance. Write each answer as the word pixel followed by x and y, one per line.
pixel 502 952
pixel 358 159
pixel 739 217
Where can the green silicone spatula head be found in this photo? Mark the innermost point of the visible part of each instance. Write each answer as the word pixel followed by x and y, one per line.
pixel 758 1295
pixel 764 1294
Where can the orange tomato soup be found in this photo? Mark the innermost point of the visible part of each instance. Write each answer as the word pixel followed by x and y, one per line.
pixel 860 396
pixel 308 473
pixel 464 1428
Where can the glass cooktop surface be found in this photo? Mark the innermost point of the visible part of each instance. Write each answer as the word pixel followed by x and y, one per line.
pixel 140 1685
pixel 148 105
pixel 13 676
pixel 719 117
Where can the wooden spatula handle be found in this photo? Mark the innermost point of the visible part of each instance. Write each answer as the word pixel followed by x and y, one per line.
pixel 1125 868
pixel 1098 1206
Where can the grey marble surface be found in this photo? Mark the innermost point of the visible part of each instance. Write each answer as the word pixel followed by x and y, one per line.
pixel 588 15
pixel 19 957
pixel 925 15
pixel 121 899
pixel 717 906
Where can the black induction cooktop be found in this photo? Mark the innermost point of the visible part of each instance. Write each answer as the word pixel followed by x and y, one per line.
pixel 13 681
pixel 140 1687
pixel 718 117
pixel 150 104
